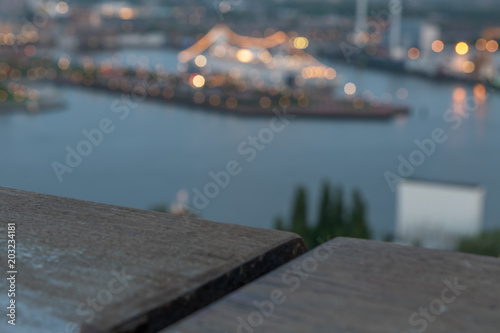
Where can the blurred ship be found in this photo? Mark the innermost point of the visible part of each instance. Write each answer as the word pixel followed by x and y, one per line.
pixel 261 73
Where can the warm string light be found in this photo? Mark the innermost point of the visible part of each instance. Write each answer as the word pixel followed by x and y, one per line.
pixel 246 43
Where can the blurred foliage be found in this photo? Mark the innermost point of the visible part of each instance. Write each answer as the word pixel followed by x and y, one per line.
pixel 486 243
pixel 160 208
pixel 335 218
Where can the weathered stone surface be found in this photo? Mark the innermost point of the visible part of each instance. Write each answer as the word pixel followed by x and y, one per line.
pixel 360 286
pixel 144 270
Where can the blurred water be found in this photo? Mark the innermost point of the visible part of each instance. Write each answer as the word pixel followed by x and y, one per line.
pixel 161 148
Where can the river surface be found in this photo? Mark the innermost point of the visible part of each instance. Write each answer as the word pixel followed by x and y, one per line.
pixel 161 149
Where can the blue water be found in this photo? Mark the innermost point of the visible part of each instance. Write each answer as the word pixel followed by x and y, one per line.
pixel 162 148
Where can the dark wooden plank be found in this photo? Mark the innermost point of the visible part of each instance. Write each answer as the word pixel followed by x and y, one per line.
pixel 362 286
pixel 144 269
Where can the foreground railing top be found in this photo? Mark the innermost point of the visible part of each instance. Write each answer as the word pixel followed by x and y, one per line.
pixel 105 268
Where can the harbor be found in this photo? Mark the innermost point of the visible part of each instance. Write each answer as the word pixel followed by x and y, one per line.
pixel 226 91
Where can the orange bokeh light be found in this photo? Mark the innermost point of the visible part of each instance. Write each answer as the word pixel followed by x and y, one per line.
pixel 413 53
pixel 437 46
pixel 481 44
pixel 462 48
pixel 492 46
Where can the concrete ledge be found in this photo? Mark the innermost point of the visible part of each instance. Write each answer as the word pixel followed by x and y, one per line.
pixel 359 286
pixel 101 268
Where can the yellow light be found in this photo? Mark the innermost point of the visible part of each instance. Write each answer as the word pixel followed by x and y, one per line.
pixel 437 46
pixel 413 53
pixel 481 44
pixel 126 13
pixel 300 43
pixel 244 55
pixel 492 46
pixel 63 63
pixel 350 88
pixel 200 61
pixel 468 67
pixel 62 7
pixel 198 81
pixel 462 48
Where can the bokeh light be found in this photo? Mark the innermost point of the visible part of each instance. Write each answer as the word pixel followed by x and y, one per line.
pixel 479 91
pixel 462 48
pixel 437 46
pixel 481 44
pixel 413 53
pixel 244 55
pixel 265 102
pixel 198 81
pixel 468 67
pixel 350 88
pixel 300 43
pixel 492 46
pixel 62 7
pixel 200 60
pixel 126 13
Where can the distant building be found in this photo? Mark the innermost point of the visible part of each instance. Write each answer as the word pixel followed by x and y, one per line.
pixel 435 214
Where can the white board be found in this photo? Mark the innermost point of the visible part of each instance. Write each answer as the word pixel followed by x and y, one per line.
pixel 436 215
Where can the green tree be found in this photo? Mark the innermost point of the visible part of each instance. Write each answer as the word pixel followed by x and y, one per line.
pixel 325 213
pixel 357 223
pixel 338 222
pixel 333 220
pixel 486 243
pixel 160 208
pixel 279 224
pixel 299 215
